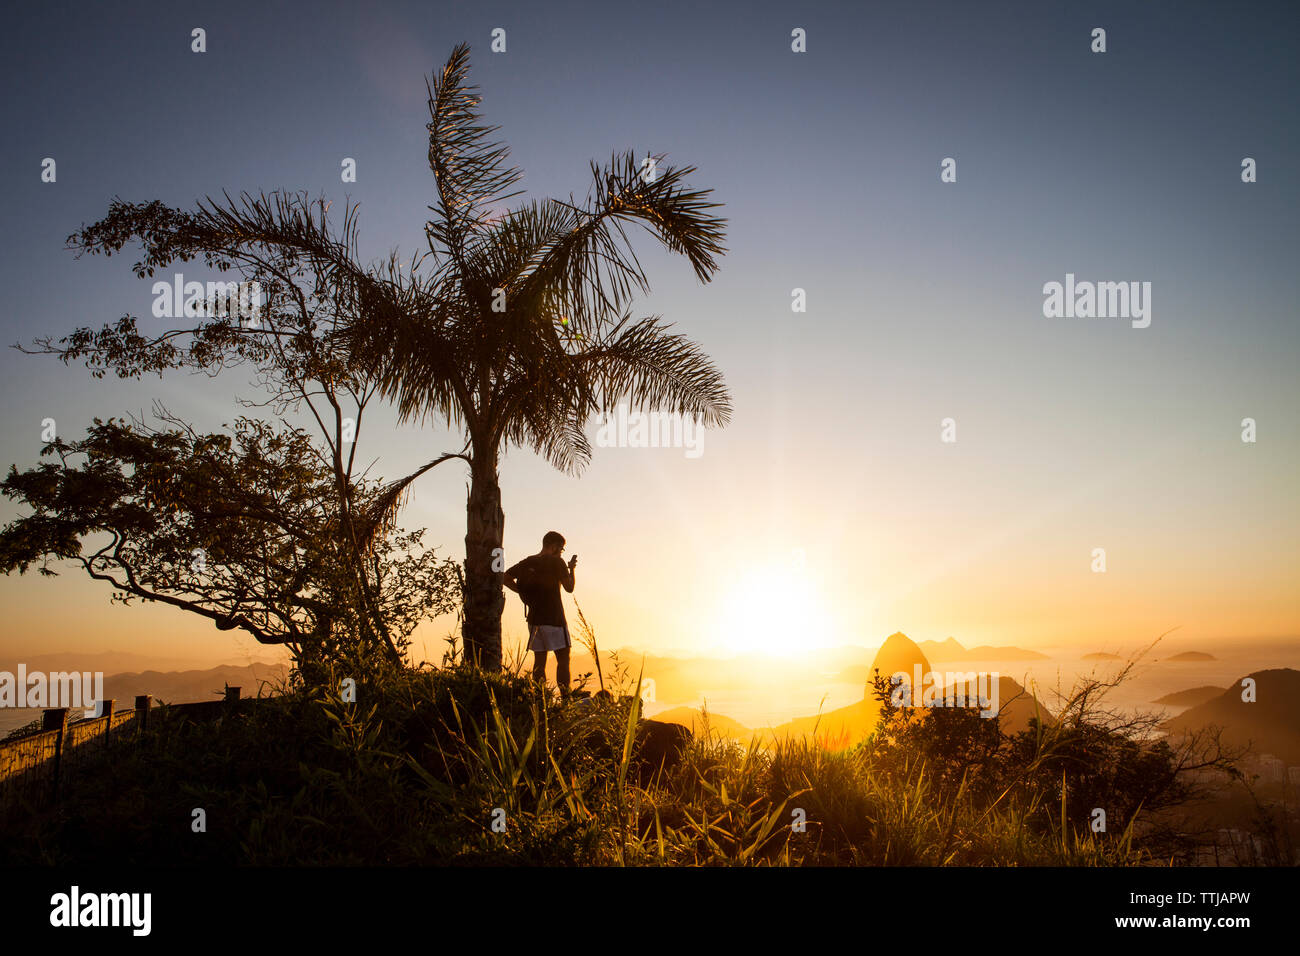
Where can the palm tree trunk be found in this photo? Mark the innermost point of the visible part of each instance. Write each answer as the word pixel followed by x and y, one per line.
pixel 484 599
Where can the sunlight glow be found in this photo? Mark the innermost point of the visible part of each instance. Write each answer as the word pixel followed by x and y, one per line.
pixel 774 609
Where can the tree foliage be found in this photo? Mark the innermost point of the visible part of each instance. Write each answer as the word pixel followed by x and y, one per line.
pixel 241 527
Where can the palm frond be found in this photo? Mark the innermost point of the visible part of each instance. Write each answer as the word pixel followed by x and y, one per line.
pixel 652 367
pixel 468 167
pixel 381 512
pixel 591 265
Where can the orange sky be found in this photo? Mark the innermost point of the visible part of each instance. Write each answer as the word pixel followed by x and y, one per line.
pixel 710 558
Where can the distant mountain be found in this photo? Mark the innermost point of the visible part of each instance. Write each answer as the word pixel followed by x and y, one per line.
pixel 693 717
pixel 835 729
pixel 898 653
pixel 1016 705
pixel 114 662
pixel 952 650
pixel 1270 723
pixel 1192 656
pixel 184 686
pixel 1190 697
pixel 106 662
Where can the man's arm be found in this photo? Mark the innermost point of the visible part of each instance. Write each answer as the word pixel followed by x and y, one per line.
pixel 511 579
pixel 568 579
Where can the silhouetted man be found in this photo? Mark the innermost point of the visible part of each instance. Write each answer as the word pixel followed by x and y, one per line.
pixel 537 579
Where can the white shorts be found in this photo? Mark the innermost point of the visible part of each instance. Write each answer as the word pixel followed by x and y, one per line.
pixel 547 637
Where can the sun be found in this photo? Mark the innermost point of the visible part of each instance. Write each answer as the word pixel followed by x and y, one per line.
pixel 773 609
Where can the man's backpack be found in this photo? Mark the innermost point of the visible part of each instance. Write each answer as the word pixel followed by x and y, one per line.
pixel 529 581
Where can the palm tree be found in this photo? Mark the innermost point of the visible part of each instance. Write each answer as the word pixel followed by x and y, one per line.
pixel 521 331
pixel 516 336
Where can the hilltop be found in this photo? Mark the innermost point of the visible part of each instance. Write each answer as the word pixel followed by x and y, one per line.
pixel 1190 697
pixel 694 719
pixel 1270 723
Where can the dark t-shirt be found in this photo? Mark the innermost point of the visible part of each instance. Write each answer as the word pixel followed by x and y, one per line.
pixel 547 608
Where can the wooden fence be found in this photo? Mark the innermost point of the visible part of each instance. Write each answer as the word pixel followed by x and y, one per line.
pixel 32 765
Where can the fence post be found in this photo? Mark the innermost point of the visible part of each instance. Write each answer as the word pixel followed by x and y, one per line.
pixel 56 718
pixel 106 711
pixel 142 704
pixel 232 694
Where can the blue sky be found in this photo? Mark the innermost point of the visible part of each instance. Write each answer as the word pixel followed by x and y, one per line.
pixel 924 298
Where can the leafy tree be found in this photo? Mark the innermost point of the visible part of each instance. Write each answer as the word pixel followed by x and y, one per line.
pixel 515 333
pixel 959 747
pixel 241 528
pixel 283 244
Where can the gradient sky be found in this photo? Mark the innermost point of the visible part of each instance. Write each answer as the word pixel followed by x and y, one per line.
pixel 829 512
